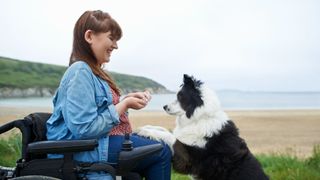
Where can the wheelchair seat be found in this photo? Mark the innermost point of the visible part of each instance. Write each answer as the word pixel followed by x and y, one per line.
pixel 35 147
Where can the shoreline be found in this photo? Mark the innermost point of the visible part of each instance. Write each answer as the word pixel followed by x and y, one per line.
pixel 293 131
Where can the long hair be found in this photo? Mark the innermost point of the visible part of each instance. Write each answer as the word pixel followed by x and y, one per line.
pixel 96 21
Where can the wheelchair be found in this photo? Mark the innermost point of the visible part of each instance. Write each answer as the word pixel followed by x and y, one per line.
pixel 34 163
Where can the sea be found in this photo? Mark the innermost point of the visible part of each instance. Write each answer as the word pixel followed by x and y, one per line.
pixel 230 100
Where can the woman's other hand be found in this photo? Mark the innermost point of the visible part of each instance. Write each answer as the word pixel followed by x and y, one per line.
pixel 136 100
pixel 146 96
pixel 135 103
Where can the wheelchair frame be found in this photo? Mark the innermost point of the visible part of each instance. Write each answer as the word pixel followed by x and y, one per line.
pixel 35 147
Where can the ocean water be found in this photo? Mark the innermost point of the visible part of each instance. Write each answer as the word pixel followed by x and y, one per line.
pixel 230 100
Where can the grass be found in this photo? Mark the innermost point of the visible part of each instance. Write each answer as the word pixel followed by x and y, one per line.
pixel 10 150
pixel 288 167
pixel 277 166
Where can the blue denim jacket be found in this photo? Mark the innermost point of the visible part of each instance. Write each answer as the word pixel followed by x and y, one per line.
pixel 83 109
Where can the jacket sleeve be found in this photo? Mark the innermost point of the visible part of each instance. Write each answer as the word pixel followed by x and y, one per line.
pixel 81 111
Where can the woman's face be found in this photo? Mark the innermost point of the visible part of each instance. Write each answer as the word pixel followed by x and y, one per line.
pixel 102 44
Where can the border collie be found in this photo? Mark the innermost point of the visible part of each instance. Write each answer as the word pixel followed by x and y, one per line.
pixel 205 142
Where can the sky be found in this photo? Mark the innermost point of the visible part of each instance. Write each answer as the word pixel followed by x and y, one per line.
pixel 270 45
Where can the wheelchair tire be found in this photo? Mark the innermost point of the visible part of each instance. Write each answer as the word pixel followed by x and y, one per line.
pixel 35 177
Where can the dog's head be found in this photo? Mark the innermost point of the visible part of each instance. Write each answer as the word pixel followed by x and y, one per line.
pixel 193 98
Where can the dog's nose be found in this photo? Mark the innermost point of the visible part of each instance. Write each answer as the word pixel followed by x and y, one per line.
pixel 165 107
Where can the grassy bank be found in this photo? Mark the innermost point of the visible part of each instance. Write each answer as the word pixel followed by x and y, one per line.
pixel 289 167
pixel 10 150
pixel 277 166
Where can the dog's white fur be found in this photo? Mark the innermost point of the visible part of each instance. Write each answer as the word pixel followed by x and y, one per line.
pixel 205 121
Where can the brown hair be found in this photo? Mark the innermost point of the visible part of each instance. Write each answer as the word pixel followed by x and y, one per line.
pixel 96 21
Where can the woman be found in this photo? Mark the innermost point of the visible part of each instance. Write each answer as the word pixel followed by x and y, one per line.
pixel 86 104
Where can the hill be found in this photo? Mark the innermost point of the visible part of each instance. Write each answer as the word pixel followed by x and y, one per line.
pixel 22 79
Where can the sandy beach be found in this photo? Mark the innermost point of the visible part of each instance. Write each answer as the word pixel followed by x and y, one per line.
pixel 265 131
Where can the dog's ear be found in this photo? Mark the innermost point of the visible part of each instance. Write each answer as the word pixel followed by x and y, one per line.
pixel 188 80
pixel 191 81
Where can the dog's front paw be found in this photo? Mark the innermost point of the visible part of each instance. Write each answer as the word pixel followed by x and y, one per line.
pixel 156 133
pixel 155 128
pixel 146 132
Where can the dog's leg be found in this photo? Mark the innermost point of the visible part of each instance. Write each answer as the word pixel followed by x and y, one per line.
pixel 159 128
pixel 157 133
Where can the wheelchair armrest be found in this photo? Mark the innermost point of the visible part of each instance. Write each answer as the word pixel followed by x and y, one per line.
pixel 63 146
pixel 129 159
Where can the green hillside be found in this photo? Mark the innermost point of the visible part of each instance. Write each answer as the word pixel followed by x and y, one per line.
pixel 23 74
pixel 130 83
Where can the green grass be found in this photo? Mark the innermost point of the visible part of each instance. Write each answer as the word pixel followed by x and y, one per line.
pixel 277 166
pixel 288 167
pixel 177 176
pixel 10 150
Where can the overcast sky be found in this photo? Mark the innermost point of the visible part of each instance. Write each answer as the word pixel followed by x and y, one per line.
pixel 263 45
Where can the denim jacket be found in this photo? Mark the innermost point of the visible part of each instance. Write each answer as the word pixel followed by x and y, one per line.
pixel 83 109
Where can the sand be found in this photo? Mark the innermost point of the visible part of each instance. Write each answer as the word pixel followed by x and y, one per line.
pixel 265 131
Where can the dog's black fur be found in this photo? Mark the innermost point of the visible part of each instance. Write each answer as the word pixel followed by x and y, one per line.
pixel 225 156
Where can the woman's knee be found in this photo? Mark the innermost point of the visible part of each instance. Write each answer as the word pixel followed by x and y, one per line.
pixel 166 153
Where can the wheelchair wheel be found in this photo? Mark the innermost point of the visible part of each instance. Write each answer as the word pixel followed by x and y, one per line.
pixel 35 177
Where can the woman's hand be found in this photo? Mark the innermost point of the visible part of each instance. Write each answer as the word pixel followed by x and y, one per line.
pixel 137 100
pixel 146 96
pixel 135 103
